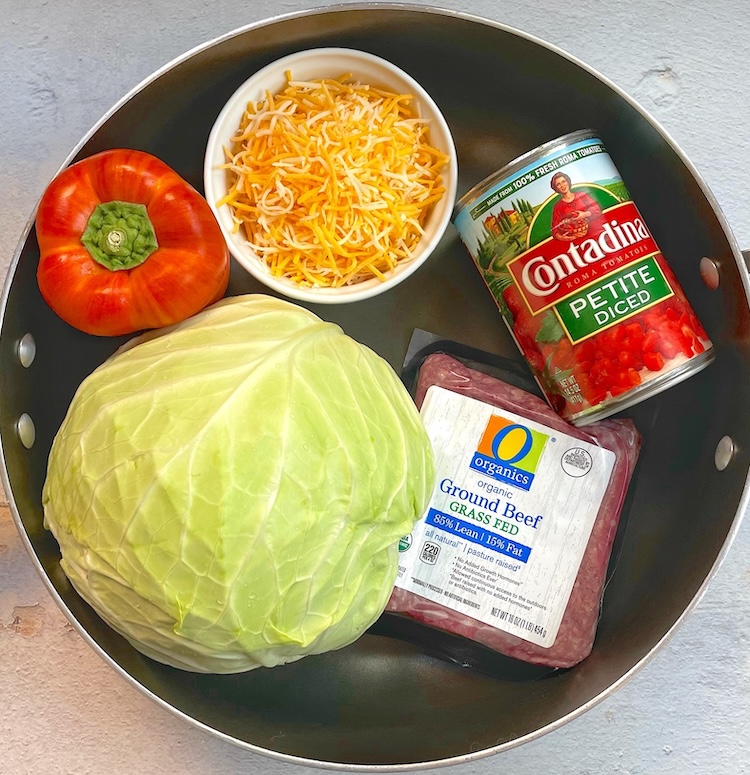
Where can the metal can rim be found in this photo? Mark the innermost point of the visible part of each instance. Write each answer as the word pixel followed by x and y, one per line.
pixel 520 161
pixel 642 392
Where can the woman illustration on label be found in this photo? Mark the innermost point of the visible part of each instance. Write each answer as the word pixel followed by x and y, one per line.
pixel 573 212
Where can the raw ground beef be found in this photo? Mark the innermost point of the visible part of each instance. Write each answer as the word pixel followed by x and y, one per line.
pixel 578 627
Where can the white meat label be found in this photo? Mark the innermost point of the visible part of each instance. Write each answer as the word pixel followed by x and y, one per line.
pixel 512 512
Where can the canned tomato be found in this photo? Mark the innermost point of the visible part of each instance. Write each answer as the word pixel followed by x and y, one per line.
pixel 580 281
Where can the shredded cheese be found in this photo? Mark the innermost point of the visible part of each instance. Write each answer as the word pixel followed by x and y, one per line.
pixel 332 180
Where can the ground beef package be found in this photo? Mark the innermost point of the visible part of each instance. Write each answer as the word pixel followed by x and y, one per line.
pixel 513 551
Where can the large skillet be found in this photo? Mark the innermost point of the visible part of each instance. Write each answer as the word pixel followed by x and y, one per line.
pixel 383 701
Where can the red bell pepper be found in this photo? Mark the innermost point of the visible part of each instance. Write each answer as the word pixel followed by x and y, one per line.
pixel 126 244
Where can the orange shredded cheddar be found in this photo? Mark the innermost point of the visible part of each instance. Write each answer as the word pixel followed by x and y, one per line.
pixel 332 180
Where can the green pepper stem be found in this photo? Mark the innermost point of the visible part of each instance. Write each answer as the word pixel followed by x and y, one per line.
pixel 119 235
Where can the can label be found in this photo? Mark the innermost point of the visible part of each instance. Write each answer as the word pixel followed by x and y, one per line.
pixel 580 281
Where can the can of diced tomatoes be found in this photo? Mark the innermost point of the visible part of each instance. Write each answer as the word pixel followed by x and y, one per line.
pixel 583 287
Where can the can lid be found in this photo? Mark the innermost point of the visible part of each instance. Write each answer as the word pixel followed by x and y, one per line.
pixel 521 161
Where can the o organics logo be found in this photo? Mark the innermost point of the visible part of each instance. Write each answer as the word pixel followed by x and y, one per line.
pixel 509 452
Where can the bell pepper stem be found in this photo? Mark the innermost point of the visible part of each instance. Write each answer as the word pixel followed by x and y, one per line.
pixel 119 235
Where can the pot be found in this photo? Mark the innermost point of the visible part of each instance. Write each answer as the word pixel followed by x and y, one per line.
pixel 384 701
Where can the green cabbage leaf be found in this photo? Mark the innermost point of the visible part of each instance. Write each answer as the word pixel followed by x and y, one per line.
pixel 229 492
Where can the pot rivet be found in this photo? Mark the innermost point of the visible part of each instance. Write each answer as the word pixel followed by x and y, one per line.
pixel 26 430
pixel 725 450
pixel 26 350
pixel 709 270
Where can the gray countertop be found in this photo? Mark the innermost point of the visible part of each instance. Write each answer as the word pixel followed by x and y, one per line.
pixel 62 709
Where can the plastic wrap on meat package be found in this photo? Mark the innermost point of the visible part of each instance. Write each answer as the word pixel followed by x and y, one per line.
pixel 577 628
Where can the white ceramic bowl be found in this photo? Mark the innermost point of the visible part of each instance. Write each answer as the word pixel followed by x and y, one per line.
pixel 328 63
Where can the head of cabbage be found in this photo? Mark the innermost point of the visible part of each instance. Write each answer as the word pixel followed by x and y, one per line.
pixel 229 493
